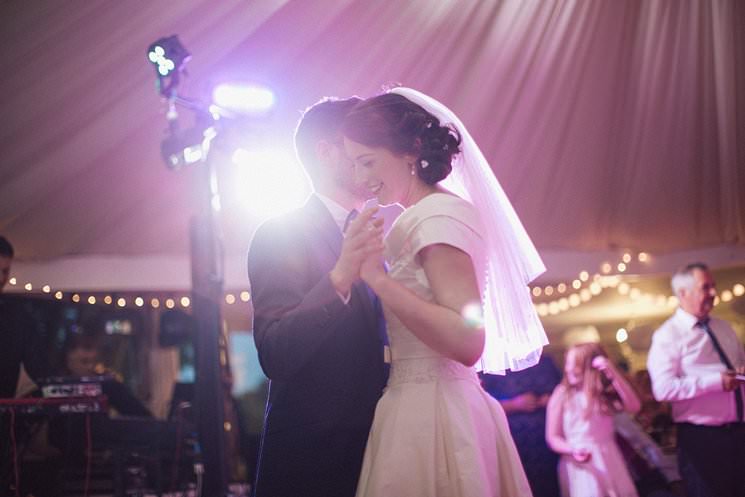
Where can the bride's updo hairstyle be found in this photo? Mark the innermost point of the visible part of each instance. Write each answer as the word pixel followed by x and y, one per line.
pixel 393 122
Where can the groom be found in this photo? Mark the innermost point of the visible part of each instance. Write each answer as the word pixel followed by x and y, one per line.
pixel 317 327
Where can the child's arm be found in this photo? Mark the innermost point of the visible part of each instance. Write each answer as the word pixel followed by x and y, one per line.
pixel 623 388
pixel 555 432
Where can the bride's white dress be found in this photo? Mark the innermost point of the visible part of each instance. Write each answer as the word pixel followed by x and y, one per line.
pixel 436 432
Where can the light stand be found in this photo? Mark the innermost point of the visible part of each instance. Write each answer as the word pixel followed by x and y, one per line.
pixel 212 401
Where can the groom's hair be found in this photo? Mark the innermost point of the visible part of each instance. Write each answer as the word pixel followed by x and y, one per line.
pixel 321 121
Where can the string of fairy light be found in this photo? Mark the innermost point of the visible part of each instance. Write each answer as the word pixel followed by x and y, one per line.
pixel 566 295
pixel 153 300
pixel 584 288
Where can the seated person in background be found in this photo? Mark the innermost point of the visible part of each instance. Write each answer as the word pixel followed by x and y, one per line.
pixel 654 416
pixel 655 473
pixel 81 359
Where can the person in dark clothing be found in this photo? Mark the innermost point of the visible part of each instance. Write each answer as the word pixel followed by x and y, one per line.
pixel 524 395
pixel 21 342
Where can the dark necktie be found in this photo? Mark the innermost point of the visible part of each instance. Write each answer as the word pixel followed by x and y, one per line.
pixel 373 298
pixel 350 217
pixel 704 323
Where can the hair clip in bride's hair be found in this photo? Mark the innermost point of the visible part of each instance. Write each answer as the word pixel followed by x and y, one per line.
pixel 424 164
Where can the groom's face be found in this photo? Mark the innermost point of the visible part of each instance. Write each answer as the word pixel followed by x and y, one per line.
pixel 343 175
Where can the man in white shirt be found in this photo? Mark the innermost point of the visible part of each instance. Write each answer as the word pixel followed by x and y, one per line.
pixel 693 363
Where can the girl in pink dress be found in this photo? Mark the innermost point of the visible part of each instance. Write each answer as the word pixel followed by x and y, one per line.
pixel 579 425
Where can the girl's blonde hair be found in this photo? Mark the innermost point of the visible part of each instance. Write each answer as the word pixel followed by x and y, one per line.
pixel 596 386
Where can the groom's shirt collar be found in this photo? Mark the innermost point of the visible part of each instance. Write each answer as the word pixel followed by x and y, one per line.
pixel 338 212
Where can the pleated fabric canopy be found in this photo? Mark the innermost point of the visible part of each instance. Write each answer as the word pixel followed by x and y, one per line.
pixel 612 125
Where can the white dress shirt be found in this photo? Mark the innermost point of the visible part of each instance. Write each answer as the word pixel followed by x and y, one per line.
pixel 338 212
pixel 686 369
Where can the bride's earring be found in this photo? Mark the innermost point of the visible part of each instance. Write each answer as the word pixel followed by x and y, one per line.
pixel 413 169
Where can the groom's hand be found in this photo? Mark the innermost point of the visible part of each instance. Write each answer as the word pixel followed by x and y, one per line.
pixel 364 237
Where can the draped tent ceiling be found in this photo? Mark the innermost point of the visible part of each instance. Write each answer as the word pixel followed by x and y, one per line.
pixel 611 125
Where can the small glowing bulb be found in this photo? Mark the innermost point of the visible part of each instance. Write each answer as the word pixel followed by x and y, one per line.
pixel 561 288
pixel 622 335
pixel 230 298
pixel 738 290
pixel 91 300
pixel 621 267
pixel 726 296
pixel 154 303
pixel 542 309
pixel 595 288
pixel 13 281
pixel 553 308
pixel 170 303
pixel 576 284
pixel 185 302
pixel 28 287
pixel 549 290
pixel 623 288
pixel 626 258
pixel 58 295
pixel 245 296
pixel 564 303
pixel 537 291
pixel 76 298
pixel 585 295
pixel 46 289
pixel 643 257
pixel 717 300
pixel 121 301
pixel 605 268
pixel 584 275
pixel 574 300
pixel 108 300
pixel 139 301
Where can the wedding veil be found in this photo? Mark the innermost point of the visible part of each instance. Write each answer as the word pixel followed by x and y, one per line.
pixel 514 333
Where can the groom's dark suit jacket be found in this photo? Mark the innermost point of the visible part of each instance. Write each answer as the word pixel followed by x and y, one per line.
pixel 324 358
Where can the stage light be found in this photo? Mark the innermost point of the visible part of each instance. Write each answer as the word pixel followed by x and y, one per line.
pixel 243 99
pixel 185 147
pixel 168 57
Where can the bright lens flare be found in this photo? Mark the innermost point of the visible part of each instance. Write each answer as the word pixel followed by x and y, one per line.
pixel 268 182
pixel 244 99
pixel 473 315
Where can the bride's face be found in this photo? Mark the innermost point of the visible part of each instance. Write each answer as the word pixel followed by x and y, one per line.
pixel 385 174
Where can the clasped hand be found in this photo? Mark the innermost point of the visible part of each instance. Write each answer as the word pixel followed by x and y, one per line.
pixel 361 252
pixel 730 379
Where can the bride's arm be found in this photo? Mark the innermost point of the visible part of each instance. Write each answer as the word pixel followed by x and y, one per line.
pixel 439 324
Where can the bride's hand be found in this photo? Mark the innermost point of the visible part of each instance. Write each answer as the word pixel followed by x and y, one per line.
pixel 372 270
pixel 362 238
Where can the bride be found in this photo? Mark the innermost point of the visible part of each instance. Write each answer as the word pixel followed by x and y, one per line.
pixel 455 298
